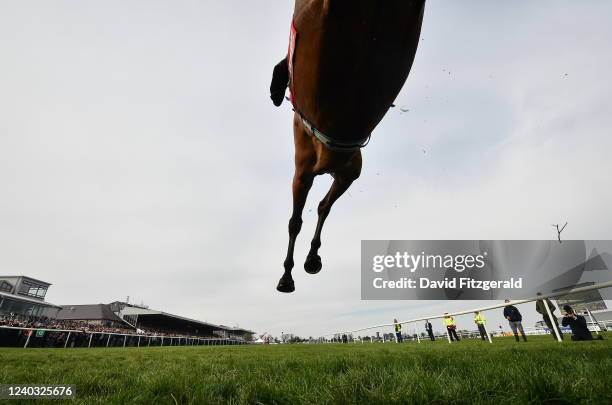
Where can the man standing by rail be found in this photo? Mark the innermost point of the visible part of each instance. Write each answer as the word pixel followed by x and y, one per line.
pixel 398 331
pixel 429 330
pixel 514 317
pixel 451 327
pixel 480 321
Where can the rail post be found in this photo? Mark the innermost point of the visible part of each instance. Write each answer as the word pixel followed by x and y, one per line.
pixel 28 339
pixel 553 322
pixel 90 337
pixel 67 339
pixel 593 321
pixel 487 332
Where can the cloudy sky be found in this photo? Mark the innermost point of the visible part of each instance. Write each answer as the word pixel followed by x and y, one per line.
pixel 140 155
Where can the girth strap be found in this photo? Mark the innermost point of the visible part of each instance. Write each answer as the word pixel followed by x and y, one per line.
pixel 329 142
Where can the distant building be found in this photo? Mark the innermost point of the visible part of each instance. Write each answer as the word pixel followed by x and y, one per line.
pixel 24 296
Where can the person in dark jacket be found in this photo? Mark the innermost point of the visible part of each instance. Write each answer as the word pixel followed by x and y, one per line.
pixel 553 323
pixel 514 317
pixel 429 330
pixel 578 324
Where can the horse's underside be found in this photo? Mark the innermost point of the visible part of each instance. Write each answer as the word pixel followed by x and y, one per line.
pixel 351 59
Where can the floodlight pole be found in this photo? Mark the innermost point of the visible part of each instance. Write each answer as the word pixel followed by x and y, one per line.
pixel 552 321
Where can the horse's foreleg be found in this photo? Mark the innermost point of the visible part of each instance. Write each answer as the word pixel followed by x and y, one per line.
pixel 301 185
pixel 342 181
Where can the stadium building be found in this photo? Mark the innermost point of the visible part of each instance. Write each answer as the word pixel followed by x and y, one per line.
pixel 141 318
pixel 25 296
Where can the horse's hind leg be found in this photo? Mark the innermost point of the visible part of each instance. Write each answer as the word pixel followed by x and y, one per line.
pixel 342 181
pixel 301 185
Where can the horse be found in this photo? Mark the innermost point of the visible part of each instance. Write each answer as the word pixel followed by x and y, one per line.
pixel 346 64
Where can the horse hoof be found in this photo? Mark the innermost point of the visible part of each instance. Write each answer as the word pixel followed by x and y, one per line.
pixel 313 264
pixel 286 285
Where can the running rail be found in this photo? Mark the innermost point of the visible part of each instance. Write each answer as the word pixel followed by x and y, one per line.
pixel 607 284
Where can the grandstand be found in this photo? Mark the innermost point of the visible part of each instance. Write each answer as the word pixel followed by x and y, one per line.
pixel 27 320
pixel 24 296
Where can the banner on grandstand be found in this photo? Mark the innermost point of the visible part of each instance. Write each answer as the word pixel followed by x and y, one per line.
pixel 479 269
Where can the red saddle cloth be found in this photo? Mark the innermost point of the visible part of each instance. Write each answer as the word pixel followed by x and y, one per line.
pixel 290 57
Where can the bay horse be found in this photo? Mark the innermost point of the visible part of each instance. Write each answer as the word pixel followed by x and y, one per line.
pixel 347 62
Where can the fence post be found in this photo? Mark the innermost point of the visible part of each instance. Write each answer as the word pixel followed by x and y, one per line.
pixel 108 340
pixel 138 340
pixel 552 320
pixel 90 337
pixel 124 339
pixel 28 339
pixel 593 322
pixel 67 339
pixel 487 332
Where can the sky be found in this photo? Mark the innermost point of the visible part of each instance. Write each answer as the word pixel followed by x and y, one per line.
pixel 141 156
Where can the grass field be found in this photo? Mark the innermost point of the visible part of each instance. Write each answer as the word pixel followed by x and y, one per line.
pixel 537 371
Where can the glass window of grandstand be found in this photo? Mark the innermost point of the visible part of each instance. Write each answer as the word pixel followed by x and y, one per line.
pixel 5 286
pixel 33 290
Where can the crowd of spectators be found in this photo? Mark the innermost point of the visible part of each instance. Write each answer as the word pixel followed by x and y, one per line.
pixel 86 327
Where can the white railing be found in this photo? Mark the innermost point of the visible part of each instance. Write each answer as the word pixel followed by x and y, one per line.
pixel 482 309
pixel 182 340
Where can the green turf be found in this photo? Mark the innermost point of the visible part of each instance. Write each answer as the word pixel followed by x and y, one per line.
pixel 538 371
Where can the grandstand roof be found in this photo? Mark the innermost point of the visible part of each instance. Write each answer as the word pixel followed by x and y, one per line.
pixel 29 278
pixel 145 311
pixel 30 300
pixel 93 312
pixel 133 310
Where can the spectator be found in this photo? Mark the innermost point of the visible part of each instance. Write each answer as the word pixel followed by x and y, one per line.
pixel 451 327
pixel 551 324
pixel 578 324
pixel 480 321
pixel 398 331
pixel 514 317
pixel 429 330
